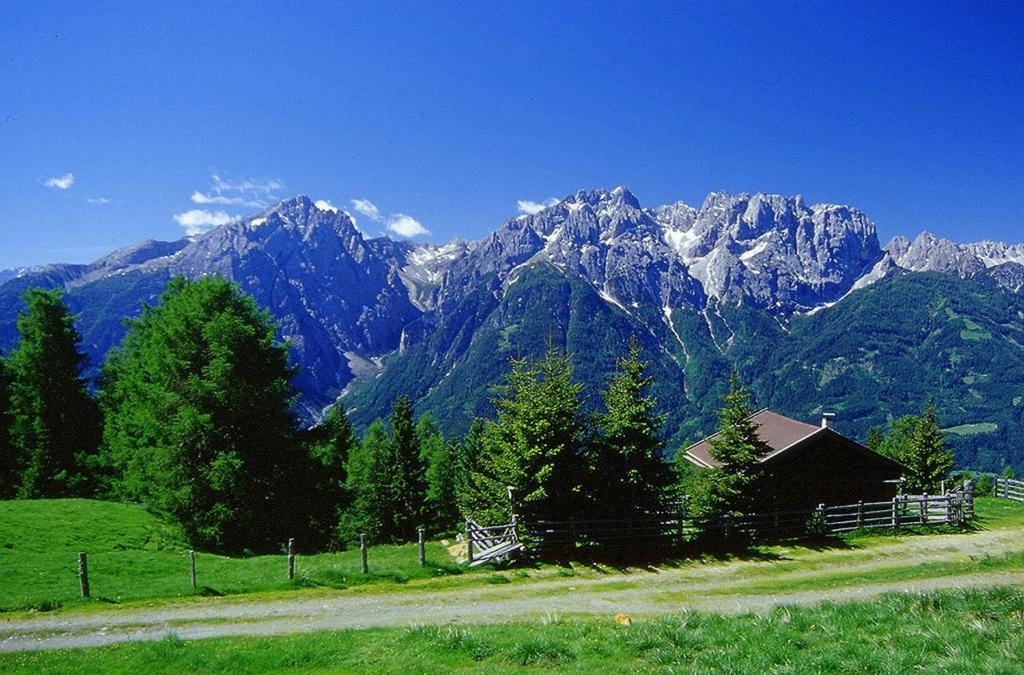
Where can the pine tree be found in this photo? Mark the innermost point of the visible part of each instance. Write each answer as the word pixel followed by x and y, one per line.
pixel 438 456
pixel 361 514
pixel 929 460
pixel 331 444
pixel 534 447
pixel 10 470
pixel 737 447
pixel 631 477
pixel 398 482
pixel 199 422
pixel 55 422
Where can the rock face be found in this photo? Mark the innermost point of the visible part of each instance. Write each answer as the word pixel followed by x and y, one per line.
pixel 928 253
pixel 345 301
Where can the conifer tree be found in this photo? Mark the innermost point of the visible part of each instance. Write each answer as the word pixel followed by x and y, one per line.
pixel 9 469
pixel 331 444
pixel 361 514
pixel 438 456
pixel 55 423
pixel 631 477
pixel 535 446
pixel 928 460
pixel 398 482
pixel 737 447
pixel 199 423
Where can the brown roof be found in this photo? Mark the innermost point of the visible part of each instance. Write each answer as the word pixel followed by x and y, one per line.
pixel 777 431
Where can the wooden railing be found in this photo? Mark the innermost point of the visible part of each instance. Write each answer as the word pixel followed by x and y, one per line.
pixel 675 525
pixel 486 544
pixel 1008 488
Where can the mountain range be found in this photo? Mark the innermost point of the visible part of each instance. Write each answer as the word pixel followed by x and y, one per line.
pixel 802 300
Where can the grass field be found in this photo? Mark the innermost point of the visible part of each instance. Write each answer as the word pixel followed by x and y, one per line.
pixel 977 631
pixel 134 556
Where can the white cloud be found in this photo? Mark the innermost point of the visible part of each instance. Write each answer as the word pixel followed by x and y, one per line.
pixel 325 205
pixel 97 200
pixel 61 182
pixel 406 226
pixel 248 192
pixel 532 208
pixel 368 209
pixel 198 221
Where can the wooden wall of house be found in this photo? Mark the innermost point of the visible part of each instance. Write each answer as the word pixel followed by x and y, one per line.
pixel 827 469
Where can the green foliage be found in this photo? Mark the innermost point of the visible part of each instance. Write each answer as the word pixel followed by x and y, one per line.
pixel 928 460
pixel 875 438
pixel 9 464
pixel 360 517
pixel 399 483
pixel 897 443
pixel 55 424
pixel 730 487
pixel 440 459
pixel 199 423
pixel 630 476
pixel 1008 472
pixel 330 446
pixel 534 446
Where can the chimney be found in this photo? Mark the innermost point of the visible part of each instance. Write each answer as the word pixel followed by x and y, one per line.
pixel 826 420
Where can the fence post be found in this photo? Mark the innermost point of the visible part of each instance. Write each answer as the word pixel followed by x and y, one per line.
pixel 822 525
pixel 923 511
pixel 83 575
pixel 469 542
pixel 728 520
pixel 291 558
pixel 969 496
pixel 995 488
pixel 192 567
pixel 362 553
pixel 860 514
pixel 423 551
pixel 895 513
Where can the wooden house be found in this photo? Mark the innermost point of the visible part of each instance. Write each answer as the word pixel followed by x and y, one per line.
pixel 804 465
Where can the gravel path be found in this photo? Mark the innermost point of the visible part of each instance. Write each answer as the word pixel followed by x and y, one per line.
pixel 712 587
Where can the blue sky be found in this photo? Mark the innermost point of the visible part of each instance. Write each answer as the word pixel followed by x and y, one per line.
pixel 450 113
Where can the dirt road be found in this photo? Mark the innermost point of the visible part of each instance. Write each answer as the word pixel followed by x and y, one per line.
pixel 721 587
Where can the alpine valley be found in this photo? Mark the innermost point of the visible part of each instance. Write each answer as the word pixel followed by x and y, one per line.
pixel 801 299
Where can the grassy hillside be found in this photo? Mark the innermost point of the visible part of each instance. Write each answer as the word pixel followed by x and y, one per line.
pixel 977 631
pixel 133 556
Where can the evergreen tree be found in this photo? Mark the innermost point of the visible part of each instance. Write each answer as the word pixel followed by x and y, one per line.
pixel 9 468
pixel 468 467
pixel 929 460
pixel 199 422
pixel 737 447
pixel 361 514
pixel 875 438
pixel 535 445
pixel 398 483
pixel 631 477
pixel 55 424
pixel 438 456
pixel 331 444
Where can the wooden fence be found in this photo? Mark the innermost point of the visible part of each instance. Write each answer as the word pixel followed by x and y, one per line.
pixel 676 526
pixel 1008 488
